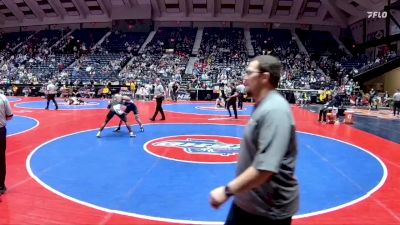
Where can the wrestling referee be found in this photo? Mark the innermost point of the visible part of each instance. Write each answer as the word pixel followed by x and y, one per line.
pixel 159 96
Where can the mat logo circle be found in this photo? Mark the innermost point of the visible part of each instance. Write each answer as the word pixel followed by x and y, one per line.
pixel 213 108
pixel 196 148
pixel 64 103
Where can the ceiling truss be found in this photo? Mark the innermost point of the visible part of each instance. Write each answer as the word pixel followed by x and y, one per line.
pixel 336 12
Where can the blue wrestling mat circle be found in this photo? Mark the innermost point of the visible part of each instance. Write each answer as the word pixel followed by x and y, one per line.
pixel 205 109
pixel 115 173
pixel 20 124
pixel 62 105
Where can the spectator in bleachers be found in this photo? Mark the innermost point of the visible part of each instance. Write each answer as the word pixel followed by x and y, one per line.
pixel 222 58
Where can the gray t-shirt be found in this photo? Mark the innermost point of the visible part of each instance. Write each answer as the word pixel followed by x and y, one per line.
pixel 396 97
pixel 269 144
pixel 51 89
pixel 159 91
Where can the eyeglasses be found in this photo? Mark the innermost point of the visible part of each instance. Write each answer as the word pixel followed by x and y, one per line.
pixel 249 72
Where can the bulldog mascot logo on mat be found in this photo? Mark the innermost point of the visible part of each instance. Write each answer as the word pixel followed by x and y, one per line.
pixel 196 149
pixel 213 108
pixel 211 147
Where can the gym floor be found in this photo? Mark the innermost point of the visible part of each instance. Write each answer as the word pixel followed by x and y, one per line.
pixel 60 173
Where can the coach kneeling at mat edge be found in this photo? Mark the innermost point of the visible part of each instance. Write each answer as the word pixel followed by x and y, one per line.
pixel 266 191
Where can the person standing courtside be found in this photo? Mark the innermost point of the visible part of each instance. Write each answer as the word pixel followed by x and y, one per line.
pixel 396 103
pixel 5 114
pixel 51 94
pixel 174 92
pixel 226 91
pixel 231 101
pixel 265 190
pixel 241 90
pixel 159 96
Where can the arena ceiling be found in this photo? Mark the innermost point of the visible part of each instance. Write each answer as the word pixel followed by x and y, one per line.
pixel 329 12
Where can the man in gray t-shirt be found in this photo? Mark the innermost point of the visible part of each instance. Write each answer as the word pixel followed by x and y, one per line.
pixel 159 96
pixel 265 189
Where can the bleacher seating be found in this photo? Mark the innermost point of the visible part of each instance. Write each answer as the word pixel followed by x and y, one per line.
pixel 321 43
pixel 325 51
pixel 230 40
pixel 45 69
pixel 180 39
pixel 121 41
pixel 107 62
pixel 41 40
pixel 356 62
pixel 156 62
pixel 10 40
pixel 222 56
pixel 267 40
pixel 97 67
pixel 83 39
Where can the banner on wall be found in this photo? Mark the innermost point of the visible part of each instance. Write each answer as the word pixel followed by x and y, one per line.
pixel 376 35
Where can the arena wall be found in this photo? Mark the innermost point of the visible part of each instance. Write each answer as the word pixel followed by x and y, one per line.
pixel 389 81
pixel 374 26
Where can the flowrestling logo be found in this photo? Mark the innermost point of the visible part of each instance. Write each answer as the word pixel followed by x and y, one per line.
pixel 377 15
pixel 196 149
